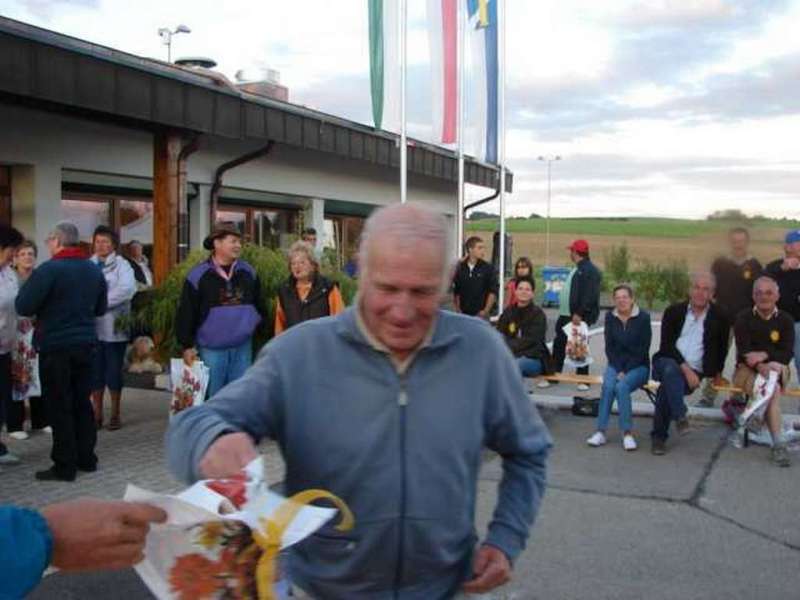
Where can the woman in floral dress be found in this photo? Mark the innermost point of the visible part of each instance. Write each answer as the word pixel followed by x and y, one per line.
pixel 24 361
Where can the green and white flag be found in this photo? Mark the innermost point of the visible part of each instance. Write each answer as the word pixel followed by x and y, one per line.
pixel 384 62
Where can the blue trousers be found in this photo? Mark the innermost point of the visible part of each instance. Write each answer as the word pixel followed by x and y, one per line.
pixel 226 364
pixel 620 390
pixel 670 405
pixel 530 367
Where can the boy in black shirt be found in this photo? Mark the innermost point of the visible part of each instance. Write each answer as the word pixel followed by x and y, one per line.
pixel 475 285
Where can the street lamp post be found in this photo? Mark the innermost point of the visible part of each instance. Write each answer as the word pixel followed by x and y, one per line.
pixel 549 159
pixel 166 37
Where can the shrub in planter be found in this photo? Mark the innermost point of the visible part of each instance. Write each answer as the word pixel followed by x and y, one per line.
pixel 156 309
pixel 617 266
pixel 648 281
pixel 676 281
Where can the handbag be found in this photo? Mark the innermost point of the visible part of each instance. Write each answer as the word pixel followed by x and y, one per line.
pixel 585 407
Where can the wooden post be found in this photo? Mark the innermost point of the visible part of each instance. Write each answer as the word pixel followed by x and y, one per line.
pixel 166 152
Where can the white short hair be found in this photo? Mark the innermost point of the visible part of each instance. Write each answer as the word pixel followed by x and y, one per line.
pixel 406 225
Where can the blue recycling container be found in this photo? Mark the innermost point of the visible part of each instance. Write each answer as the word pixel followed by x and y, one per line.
pixel 554 279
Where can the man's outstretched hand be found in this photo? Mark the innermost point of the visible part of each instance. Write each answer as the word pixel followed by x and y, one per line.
pixel 95 534
pixel 227 456
pixel 490 569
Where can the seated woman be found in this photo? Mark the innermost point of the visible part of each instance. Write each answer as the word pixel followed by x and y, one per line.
pixel 522 268
pixel 306 294
pixel 628 333
pixel 524 326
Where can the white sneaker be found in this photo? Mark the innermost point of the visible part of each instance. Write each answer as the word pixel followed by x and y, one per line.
pixel 629 442
pixel 598 439
pixel 543 384
pixel 9 459
pixel 582 387
pixel 18 435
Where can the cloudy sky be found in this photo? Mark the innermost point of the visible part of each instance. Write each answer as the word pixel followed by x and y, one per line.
pixel 658 107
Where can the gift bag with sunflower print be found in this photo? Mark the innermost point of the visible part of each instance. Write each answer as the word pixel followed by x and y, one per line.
pixel 222 537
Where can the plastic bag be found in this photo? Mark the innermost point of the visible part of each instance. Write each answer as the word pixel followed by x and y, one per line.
pixel 577 350
pixel 188 383
pixel 763 389
pixel 222 537
pixel 25 364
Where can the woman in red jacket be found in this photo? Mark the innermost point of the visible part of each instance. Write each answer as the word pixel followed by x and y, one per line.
pixel 523 268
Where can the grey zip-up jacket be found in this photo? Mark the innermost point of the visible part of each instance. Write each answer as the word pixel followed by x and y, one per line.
pixel 403 451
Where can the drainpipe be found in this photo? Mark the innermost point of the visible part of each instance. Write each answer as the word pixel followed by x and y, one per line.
pixel 222 169
pixel 482 200
pixel 183 204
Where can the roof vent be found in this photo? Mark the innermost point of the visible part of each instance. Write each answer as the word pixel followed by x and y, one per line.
pixel 196 62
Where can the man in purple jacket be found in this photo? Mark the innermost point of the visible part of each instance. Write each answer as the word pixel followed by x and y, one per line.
pixel 219 309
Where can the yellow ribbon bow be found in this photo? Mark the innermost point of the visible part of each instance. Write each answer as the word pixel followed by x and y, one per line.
pixel 273 528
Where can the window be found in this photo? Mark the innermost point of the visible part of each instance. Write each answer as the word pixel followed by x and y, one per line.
pixel 129 216
pixel 342 235
pixel 86 215
pixel 270 227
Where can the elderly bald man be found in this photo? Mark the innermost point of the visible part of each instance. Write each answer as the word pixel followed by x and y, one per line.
pixel 764 342
pixel 381 406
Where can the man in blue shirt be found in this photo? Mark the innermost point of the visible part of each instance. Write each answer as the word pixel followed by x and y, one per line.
pixel 380 406
pixel 81 535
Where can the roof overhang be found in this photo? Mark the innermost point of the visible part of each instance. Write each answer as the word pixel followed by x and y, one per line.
pixel 58 73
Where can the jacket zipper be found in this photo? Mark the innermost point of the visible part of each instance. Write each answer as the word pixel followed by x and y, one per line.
pixel 402 402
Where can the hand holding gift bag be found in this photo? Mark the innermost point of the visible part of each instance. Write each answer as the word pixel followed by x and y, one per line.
pixel 189 384
pixel 222 537
pixel 577 349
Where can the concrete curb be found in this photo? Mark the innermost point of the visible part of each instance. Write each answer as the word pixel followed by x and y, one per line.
pixel 640 409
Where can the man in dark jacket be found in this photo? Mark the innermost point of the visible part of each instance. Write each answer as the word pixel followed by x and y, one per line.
pixel 735 274
pixel 66 294
pixel 475 285
pixel 219 309
pixel 579 302
pixel 786 272
pixel 694 342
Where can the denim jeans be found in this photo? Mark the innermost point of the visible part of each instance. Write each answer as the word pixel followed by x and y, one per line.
pixel 670 405
pixel 530 367
pixel 225 364
pixel 620 389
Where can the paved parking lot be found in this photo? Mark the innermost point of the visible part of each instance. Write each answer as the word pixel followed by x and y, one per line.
pixel 706 521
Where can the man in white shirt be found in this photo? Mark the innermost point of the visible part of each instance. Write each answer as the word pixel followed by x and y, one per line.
pixel 694 342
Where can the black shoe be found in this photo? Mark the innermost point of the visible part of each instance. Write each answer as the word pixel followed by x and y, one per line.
pixel 88 468
pixel 658 446
pixel 52 475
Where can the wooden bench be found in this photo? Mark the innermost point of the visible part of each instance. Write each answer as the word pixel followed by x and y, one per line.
pixel 648 388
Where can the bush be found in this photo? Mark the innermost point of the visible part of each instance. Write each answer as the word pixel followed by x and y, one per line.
pixel 675 281
pixel 617 263
pixel 157 308
pixel 649 282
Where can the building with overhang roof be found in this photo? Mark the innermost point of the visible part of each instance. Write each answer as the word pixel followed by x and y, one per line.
pixel 159 152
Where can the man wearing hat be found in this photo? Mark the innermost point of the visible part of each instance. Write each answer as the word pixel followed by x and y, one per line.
pixel 219 309
pixel 786 271
pixel 579 301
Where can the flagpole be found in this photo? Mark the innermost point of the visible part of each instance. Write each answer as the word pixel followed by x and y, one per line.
pixel 461 55
pixel 501 43
pixel 402 7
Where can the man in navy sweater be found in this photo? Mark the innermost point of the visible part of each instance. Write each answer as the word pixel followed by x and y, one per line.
pixel 66 294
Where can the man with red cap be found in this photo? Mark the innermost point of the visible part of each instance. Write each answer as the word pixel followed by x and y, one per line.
pixel 579 301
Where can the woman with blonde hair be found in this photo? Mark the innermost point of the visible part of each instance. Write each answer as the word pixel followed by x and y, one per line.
pixel 305 294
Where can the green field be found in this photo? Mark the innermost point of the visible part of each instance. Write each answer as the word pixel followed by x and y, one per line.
pixel 624 227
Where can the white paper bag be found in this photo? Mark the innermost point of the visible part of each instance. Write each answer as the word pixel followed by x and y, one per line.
pixel 577 350
pixel 188 384
pixel 206 549
pixel 763 389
